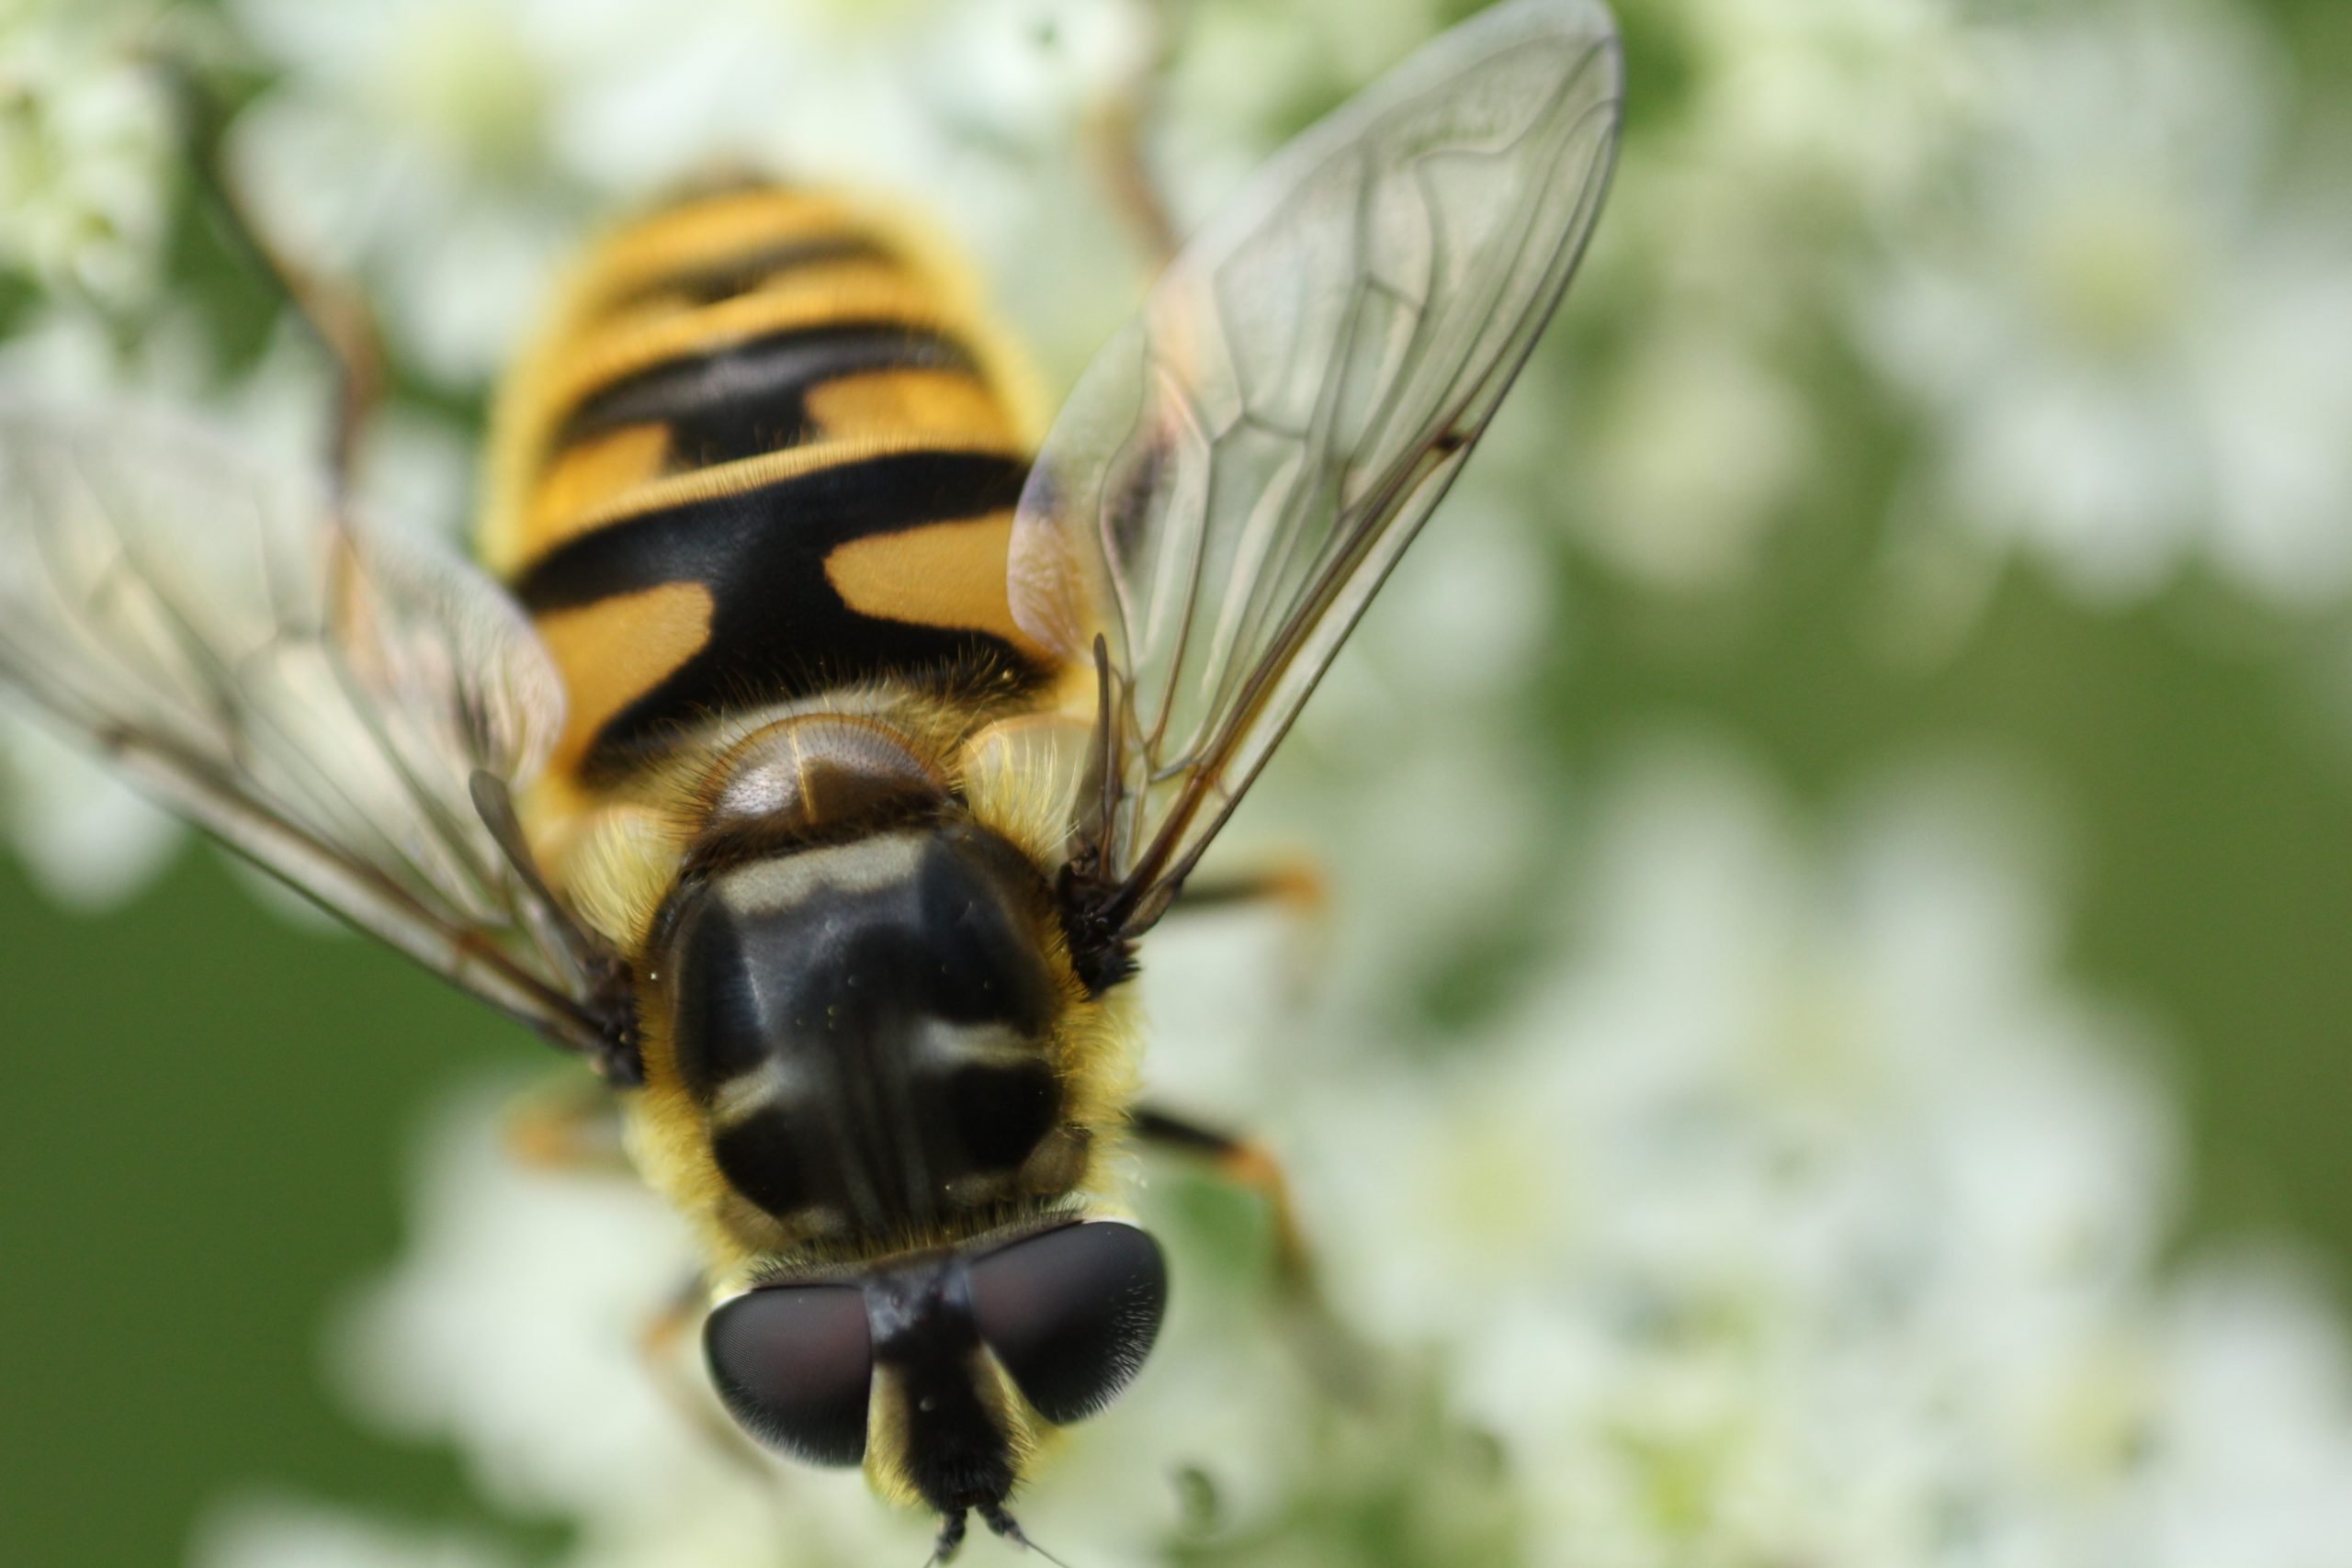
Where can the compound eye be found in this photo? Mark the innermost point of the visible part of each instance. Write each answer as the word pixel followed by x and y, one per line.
pixel 1072 1313
pixel 794 1365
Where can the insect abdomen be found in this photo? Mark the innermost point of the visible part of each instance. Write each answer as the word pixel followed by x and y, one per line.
pixel 760 453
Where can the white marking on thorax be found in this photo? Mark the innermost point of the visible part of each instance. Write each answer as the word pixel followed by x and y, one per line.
pixel 783 882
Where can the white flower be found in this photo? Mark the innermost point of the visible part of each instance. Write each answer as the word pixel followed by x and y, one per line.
pixel 2135 361
pixel 1245 76
pixel 1824 106
pixel 454 152
pixel 263 1531
pixel 1805 1216
pixel 510 1327
pixel 1696 449
pixel 1426 709
pixel 1734 227
pixel 2247 1449
pixel 85 143
pixel 89 841
pixel 415 135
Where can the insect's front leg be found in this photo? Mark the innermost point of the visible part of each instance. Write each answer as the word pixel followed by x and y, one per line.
pixel 1332 1350
pixel 569 1125
pixel 660 1342
pixel 335 313
pixel 575 1126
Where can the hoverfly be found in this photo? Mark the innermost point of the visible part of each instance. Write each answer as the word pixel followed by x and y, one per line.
pixel 816 746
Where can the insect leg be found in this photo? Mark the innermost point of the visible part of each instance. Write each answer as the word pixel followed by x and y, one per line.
pixel 1331 1349
pixel 571 1125
pixel 657 1343
pixel 1297 884
pixel 1114 132
pixel 336 314
pixel 1245 1164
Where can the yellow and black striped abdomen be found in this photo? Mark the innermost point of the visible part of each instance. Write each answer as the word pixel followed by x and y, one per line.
pixel 762 452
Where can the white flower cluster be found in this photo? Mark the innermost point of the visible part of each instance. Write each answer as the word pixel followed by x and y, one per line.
pixel 2069 238
pixel 1848 1214
pixel 1737 227
pixel 1802 1217
pixel 84 140
pixel 2133 356
pixel 452 152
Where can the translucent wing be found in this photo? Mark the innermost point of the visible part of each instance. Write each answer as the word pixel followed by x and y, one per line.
pixel 348 706
pixel 1235 476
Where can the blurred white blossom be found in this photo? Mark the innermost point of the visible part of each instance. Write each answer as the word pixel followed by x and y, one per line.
pixel 85 143
pixel 88 840
pixel 1783 1224
pixel 1816 109
pixel 269 1531
pixel 573 1268
pixel 2136 356
pixel 1697 448
pixel 454 152
pixel 1735 225
pixel 412 143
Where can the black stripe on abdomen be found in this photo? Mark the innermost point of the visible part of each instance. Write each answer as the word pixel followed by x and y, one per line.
pixel 725 276
pixel 751 398
pixel 779 631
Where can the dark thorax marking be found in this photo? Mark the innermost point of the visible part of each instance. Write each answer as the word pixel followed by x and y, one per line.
pixel 866 1026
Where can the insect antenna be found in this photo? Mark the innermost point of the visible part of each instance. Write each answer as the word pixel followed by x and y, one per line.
pixel 951 1537
pixel 998 1520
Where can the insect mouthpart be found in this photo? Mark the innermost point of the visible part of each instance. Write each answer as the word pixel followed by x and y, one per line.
pixel 933 1372
pixel 952 1529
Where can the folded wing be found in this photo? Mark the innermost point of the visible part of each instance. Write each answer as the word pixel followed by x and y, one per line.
pixel 1236 473
pixel 348 705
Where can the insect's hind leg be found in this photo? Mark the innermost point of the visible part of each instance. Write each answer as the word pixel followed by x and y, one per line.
pixel 660 1342
pixel 1328 1347
pixel 1293 886
pixel 334 313
pixel 1247 1165
pixel 1115 137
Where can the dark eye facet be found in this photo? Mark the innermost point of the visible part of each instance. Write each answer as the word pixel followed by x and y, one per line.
pixel 1072 1313
pixel 794 1365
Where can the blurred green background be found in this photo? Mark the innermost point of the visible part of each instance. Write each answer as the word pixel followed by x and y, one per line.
pixel 208 1106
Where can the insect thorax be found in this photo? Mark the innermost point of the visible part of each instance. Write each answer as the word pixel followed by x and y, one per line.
pixel 867 1031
